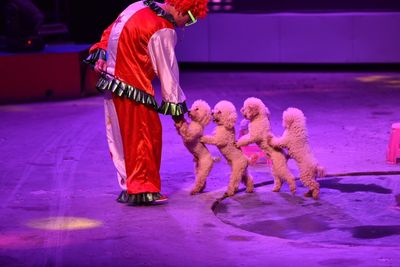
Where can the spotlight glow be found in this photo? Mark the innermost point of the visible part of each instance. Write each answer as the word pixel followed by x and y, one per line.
pixel 373 78
pixel 395 82
pixel 64 223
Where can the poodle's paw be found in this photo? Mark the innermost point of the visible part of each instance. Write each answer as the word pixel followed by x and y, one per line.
pixel 194 192
pixel 198 189
pixel 226 194
pixel 250 189
pixel 276 189
pixel 235 144
pixel 178 126
pixel 315 194
pixel 308 194
pixel 229 193
pixel 203 187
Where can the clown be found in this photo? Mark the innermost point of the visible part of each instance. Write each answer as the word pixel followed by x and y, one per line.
pixel 135 48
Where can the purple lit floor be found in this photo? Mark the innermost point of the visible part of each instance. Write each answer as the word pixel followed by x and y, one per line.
pixel 58 185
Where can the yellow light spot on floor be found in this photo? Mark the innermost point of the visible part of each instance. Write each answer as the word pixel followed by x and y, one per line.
pixel 373 78
pixel 64 223
pixel 395 82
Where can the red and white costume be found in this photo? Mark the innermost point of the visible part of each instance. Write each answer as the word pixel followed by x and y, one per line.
pixel 139 45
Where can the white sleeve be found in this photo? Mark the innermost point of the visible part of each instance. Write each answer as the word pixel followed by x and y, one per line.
pixel 162 53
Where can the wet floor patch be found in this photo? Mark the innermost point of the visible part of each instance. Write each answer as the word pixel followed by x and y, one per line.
pixel 360 211
pixel 284 228
pixel 375 231
pixel 341 262
pixel 382 113
pixel 221 208
pixel 397 199
pixel 238 238
pixel 351 188
pixel 108 238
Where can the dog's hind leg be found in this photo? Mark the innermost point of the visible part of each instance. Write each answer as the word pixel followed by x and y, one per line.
pixel 203 168
pixel 235 178
pixel 248 181
pixel 292 184
pixel 309 181
pixel 277 181
pixel 197 186
pixel 288 176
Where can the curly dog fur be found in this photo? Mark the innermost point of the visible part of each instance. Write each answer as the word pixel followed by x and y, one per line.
pixel 295 139
pixel 200 115
pixel 225 116
pixel 258 114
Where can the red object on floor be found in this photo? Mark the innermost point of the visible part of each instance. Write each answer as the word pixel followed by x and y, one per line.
pixel 393 150
pixel 57 72
pixel 256 155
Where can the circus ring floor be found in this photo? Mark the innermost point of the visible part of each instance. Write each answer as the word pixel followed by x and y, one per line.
pixel 358 211
pixel 58 185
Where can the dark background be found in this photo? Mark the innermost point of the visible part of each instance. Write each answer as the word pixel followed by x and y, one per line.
pixel 86 19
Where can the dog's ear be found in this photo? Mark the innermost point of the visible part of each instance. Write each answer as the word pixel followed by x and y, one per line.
pixel 231 120
pixel 267 113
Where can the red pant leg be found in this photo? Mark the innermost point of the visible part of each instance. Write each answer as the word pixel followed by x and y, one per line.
pixel 142 140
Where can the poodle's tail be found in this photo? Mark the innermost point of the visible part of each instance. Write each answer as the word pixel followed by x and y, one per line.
pixel 320 171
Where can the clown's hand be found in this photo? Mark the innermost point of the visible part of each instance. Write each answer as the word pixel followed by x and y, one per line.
pixel 100 66
pixel 178 119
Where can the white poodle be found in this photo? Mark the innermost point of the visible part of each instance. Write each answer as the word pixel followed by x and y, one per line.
pixel 225 116
pixel 200 115
pixel 295 139
pixel 258 114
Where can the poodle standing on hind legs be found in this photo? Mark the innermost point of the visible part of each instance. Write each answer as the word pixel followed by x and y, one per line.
pixel 200 115
pixel 257 113
pixel 225 116
pixel 295 139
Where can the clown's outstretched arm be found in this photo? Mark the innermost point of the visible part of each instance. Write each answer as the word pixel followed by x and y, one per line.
pixel 162 53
